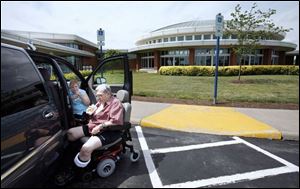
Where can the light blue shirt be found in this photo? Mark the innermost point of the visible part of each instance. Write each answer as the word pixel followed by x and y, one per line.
pixel 78 106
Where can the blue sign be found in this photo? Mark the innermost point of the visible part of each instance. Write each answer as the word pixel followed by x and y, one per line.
pixel 101 36
pixel 220 19
pixel 100 32
pixel 219 25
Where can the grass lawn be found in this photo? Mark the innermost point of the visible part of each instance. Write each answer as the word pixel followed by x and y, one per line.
pixel 260 89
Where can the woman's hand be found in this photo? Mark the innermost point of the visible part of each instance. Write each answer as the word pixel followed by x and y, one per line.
pixel 96 130
pixel 91 109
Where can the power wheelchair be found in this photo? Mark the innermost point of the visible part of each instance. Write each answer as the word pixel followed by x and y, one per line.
pixel 103 159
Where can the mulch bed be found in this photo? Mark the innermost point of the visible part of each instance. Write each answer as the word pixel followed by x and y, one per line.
pixel 288 106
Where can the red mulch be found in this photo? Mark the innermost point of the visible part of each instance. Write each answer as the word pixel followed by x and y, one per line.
pixel 288 106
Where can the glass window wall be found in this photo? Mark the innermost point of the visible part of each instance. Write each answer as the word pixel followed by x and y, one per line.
pixel 198 37
pixel 207 36
pixel 147 60
pixel 174 58
pixel 275 57
pixel 205 57
pixel 180 38
pixel 251 59
pixel 188 37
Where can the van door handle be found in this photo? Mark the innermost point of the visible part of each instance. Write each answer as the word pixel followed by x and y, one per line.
pixel 49 115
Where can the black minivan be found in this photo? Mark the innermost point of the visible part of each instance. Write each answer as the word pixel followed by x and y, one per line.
pixel 36 109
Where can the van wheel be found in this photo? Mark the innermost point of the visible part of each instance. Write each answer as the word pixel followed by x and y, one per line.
pixel 63 177
pixel 86 177
pixel 106 167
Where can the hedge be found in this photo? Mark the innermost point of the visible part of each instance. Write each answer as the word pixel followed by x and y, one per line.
pixel 229 70
pixel 70 76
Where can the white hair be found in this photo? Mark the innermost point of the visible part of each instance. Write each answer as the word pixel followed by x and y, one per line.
pixel 104 88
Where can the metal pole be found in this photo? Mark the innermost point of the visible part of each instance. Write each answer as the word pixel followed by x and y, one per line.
pixel 100 51
pixel 216 71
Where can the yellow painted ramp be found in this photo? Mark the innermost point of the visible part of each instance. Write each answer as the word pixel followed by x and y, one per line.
pixel 210 120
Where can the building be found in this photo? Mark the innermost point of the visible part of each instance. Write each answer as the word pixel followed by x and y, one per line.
pixel 82 53
pixel 194 43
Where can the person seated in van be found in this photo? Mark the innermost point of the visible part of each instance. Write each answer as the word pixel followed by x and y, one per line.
pixel 108 111
pixel 80 100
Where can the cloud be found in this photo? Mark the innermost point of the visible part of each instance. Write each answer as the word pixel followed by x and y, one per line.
pixel 125 22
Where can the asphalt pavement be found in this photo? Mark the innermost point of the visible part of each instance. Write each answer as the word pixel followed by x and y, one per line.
pixel 176 159
pixel 246 122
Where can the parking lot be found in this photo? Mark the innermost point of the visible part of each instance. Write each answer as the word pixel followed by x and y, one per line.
pixel 180 159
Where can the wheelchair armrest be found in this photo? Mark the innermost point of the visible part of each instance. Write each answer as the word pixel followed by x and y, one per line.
pixel 82 121
pixel 126 125
pixel 113 128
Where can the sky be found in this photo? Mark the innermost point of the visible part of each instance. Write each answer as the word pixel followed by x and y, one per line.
pixel 125 22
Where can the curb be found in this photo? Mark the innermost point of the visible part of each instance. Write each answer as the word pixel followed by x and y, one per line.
pixel 210 120
pixel 290 136
pixel 285 135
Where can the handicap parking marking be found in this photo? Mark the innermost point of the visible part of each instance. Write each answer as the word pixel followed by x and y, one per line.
pixel 221 180
pixel 155 180
pixel 193 147
pixel 288 164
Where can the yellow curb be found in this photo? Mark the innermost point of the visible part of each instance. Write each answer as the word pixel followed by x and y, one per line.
pixel 210 120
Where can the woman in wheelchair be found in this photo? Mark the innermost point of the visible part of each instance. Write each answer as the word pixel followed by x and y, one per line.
pixel 107 131
pixel 108 112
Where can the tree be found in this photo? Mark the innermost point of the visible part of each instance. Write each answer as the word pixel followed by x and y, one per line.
pixel 111 52
pixel 250 27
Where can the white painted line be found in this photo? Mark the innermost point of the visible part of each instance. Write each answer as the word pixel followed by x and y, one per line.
pixel 193 147
pixel 155 180
pixel 290 165
pixel 222 180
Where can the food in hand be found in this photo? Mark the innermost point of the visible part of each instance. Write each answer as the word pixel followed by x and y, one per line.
pixel 90 110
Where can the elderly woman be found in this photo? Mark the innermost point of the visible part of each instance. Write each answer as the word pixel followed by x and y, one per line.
pixel 108 111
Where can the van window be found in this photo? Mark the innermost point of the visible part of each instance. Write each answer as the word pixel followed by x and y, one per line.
pixel 112 73
pixel 21 87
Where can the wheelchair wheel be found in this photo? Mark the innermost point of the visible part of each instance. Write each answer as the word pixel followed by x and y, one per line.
pixel 106 167
pixel 135 156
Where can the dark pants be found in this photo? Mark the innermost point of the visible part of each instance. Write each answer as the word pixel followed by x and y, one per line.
pixel 106 137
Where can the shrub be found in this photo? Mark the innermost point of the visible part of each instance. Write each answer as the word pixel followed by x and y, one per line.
pixel 84 73
pixel 70 76
pixel 230 70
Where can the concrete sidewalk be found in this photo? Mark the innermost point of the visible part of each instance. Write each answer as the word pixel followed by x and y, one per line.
pixel 249 122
